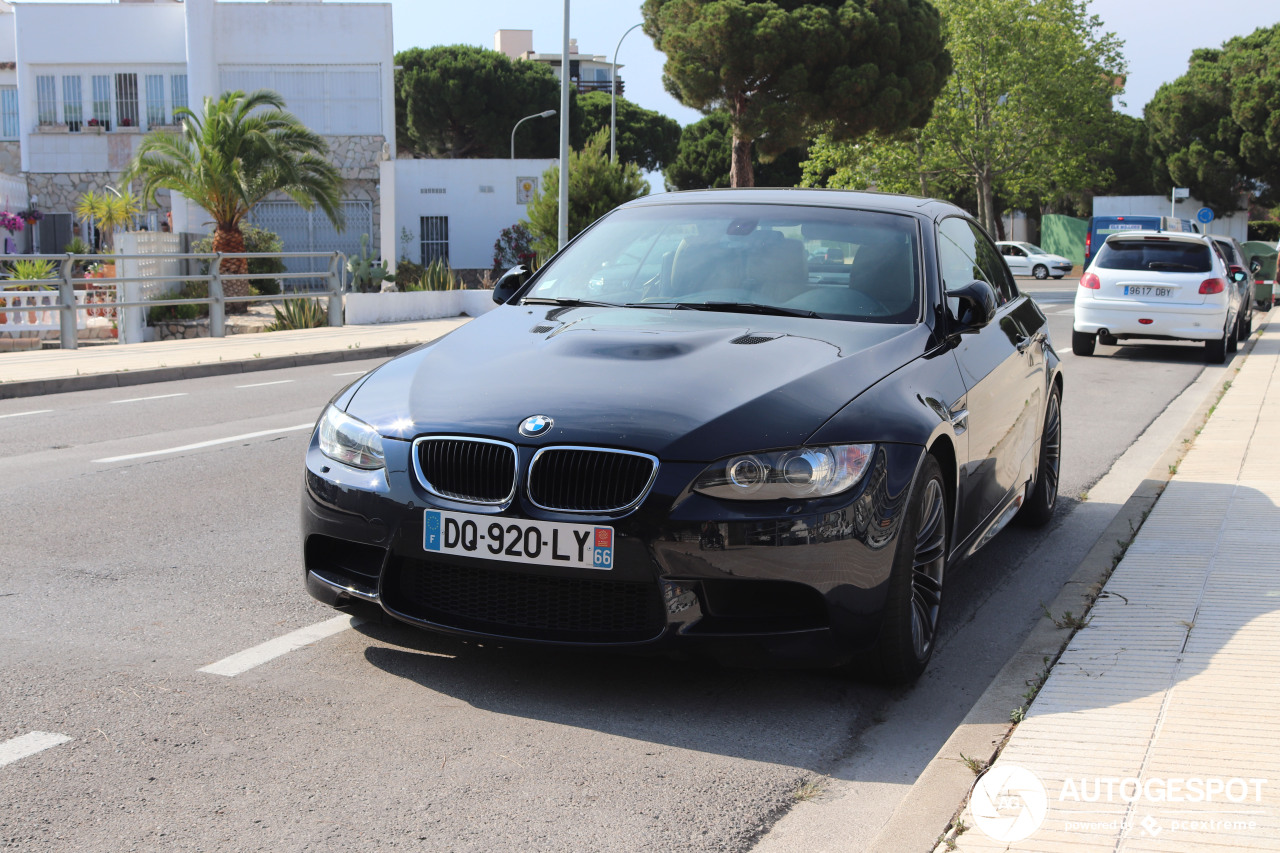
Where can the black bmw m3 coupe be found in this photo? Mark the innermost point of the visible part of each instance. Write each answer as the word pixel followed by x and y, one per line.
pixel 757 424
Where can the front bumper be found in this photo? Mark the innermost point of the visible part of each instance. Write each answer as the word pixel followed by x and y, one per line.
pixel 804 582
pixel 1176 322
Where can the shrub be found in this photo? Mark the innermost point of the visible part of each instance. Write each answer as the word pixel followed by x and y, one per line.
pixel 513 246
pixel 408 274
pixel 255 240
pixel 166 313
pixel 1264 230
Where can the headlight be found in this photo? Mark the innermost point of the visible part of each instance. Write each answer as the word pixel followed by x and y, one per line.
pixel 803 472
pixel 350 441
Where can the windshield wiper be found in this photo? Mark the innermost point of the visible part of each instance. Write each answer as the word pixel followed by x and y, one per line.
pixel 753 308
pixel 566 301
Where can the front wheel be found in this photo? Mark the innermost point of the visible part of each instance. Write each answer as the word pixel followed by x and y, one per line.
pixel 1041 272
pixel 1082 343
pixel 909 630
pixel 1039 507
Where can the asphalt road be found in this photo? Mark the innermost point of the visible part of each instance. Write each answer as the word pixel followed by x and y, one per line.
pixel 152 531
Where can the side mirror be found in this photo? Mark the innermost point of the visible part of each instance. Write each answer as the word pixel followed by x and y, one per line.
pixel 1237 274
pixel 506 287
pixel 977 304
pixel 1255 265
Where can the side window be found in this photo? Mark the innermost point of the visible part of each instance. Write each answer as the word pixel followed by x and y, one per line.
pixel 956 254
pixel 997 273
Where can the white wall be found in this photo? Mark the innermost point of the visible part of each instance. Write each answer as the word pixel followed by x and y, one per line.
pixel 1235 225
pixel 317 34
pixel 476 217
pixel 13 193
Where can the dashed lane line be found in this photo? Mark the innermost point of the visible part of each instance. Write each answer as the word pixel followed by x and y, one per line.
pixel 156 397
pixel 263 384
pixel 24 414
pixel 272 649
pixel 29 744
pixel 200 444
pixel 352 373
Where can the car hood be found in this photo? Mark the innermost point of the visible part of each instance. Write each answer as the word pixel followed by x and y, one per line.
pixel 685 385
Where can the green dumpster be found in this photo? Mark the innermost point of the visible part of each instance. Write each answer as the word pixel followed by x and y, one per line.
pixel 1264 279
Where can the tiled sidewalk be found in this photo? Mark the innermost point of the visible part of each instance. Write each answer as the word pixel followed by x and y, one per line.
pixel 1174 685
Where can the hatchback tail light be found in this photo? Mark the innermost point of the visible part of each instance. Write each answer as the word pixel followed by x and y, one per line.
pixel 1212 285
pixel 1090 281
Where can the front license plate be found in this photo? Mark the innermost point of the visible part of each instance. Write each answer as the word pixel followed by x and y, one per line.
pixel 518 540
pixel 1147 290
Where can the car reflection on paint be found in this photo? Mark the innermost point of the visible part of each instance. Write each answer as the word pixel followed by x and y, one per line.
pixel 762 425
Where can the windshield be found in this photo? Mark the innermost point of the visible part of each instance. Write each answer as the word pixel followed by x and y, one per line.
pixel 807 261
pixel 1168 255
pixel 1033 248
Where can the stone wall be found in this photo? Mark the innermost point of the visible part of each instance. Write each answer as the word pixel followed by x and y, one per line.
pixel 356 156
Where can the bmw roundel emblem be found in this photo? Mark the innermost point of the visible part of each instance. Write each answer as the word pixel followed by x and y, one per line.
pixel 536 425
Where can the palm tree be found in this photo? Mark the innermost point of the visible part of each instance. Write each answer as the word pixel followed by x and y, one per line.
pixel 243 149
pixel 107 211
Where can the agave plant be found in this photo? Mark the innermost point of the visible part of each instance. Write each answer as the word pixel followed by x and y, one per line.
pixel 299 314
pixel 438 276
pixel 32 270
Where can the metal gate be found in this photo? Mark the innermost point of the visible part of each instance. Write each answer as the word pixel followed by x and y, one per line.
pixel 310 231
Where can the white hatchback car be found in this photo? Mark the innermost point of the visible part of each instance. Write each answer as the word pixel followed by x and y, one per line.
pixel 1159 285
pixel 1030 259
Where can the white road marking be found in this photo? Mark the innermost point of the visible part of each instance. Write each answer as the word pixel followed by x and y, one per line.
pixel 156 397
pixel 24 414
pixel 28 744
pixel 261 384
pixel 352 373
pixel 1068 311
pixel 209 443
pixel 271 649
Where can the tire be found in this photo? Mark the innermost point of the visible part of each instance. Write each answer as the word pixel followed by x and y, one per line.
pixel 1247 329
pixel 909 627
pixel 1233 337
pixel 1040 271
pixel 1082 343
pixel 1038 509
pixel 1215 352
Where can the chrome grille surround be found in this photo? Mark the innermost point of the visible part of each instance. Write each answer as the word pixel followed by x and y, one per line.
pixel 570 460
pixel 497 472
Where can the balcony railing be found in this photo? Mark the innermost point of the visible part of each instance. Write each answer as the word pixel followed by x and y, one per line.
pixel 585 86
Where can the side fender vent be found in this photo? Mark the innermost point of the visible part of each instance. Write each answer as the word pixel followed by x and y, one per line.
pixel 752 339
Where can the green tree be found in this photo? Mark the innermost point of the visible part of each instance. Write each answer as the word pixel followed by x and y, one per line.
pixel 1217 127
pixel 783 69
pixel 240 150
pixel 645 137
pixel 596 187
pixel 705 154
pixel 463 101
pixel 1019 118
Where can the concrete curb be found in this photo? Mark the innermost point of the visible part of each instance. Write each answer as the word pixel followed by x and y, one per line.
pixel 929 810
pixel 122 379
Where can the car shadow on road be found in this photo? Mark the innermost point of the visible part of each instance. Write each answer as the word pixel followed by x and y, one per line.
pixel 800 718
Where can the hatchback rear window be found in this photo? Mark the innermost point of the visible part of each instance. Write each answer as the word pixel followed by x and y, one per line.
pixel 1171 256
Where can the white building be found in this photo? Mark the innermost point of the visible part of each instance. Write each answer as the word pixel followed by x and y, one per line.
pixel 455 209
pixel 81 82
pixel 588 72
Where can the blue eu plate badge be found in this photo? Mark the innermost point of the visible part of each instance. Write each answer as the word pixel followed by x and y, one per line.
pixel 431 533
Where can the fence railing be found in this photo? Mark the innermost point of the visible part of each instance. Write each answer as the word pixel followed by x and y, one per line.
pixel 128 301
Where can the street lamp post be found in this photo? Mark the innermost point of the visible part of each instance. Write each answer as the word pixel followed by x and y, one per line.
pixel 563 224
pixel 613 99
pixel 543 114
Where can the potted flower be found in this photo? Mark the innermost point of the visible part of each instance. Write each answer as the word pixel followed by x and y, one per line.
pixel 93 126
pixel 31 215
pixel 127 125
